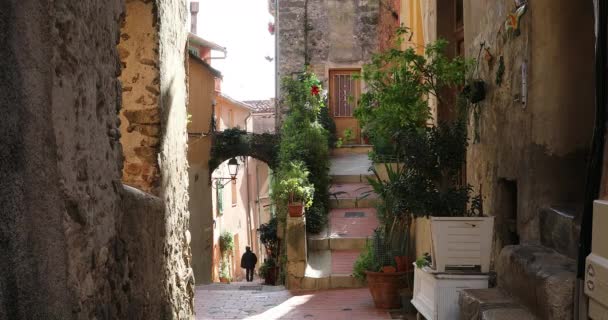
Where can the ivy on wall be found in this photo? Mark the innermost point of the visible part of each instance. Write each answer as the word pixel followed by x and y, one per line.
pixel 235 142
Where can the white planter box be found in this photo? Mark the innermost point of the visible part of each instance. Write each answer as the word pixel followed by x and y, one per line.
pixel 461 242
pixel 436 294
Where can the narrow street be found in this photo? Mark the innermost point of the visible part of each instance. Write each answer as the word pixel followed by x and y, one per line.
pixel 242 300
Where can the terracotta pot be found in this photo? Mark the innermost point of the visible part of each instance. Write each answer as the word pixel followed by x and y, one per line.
pixel 403 263
pixel 271 276
pixel 296 209
pixel 224 280
pixel 386 287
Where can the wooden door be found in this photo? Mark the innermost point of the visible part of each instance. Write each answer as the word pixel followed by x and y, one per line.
pixel 344 92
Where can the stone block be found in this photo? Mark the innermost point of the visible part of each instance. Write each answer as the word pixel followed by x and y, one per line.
pixel 474 301
pixel 560 230
pixel 541 278
pixel 507 313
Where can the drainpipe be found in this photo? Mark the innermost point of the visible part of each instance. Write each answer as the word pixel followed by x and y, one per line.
pixel 594 167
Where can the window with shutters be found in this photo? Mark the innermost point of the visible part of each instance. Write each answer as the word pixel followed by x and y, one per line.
pixel 344 91
pixel 234 193
pixel 219 195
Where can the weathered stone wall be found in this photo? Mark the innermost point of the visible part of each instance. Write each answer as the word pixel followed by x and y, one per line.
pixel 73 245
pixel 342 34
pixel 388 22
pixel 60 161
pixel 172 35
pixel 140 115
pixel 533 153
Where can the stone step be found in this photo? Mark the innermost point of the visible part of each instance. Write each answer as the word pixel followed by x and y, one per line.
pixel 540 278
pixel 329 269
pixel 352 195
pixel 351 149
pixel 477 304
pixel 350 178
pixel 334 281
pixel 561 229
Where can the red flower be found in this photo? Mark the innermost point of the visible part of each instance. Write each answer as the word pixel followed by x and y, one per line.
pixel 314 90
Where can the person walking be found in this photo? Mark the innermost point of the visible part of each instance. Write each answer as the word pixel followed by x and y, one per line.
pixel 248 262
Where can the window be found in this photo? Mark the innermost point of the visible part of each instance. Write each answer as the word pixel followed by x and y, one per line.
pixel 344 91
pixel 233 188
pixel 231 118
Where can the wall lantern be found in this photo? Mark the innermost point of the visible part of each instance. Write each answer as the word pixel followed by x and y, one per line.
pixel 233 169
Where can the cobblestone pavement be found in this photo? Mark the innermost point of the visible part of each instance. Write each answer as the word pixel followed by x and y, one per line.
pixel 254 301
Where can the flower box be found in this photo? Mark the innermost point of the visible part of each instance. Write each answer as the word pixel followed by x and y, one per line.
pixel 461 242
pixel 436 294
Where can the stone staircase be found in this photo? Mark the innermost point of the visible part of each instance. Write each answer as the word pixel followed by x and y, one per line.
pixel 352 219
pixel 534 281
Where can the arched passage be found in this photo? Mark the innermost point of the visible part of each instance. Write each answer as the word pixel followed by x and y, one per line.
pixel 232 143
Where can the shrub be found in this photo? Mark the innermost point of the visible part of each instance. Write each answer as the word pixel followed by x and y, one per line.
pixel 226 243
pixel 293 185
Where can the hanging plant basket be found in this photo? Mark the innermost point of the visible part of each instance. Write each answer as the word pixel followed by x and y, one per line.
pixel 475 90
pixel 296 209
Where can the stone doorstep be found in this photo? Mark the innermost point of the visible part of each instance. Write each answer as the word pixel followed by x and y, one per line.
pixel 474 303
pixel 336 243
pixel 540 278
pixel 334 281
pixel 354 178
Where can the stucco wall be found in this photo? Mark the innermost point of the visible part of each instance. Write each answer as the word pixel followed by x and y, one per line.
pixel 539 148
pixel 343 34
pixel 201 96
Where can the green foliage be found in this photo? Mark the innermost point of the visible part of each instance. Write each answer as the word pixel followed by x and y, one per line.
pixel 365 262
pixel 303 138
pixel 294 185
pixel 328 123
pixel 225 270
pixel 429 184
pixel 236 142
pixel 226 243
pixel 400 83
pixel 268 236
pixel 266 266
pixel 348 134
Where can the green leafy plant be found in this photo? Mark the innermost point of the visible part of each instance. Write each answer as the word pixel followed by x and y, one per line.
pixel 365 262
pixel 293 185
pixel 304 139
pixel 268 236
pixel 424 261
pixel 348 135
pixel 400 84
pixel 268 265
pixel 224 270
pixel 226 243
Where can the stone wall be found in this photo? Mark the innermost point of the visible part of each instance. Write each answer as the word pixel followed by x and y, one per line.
pixel 60 161
pixel 140 115
pixel 531 155
pixel 342 34
pixel 172 35
pixel 73 244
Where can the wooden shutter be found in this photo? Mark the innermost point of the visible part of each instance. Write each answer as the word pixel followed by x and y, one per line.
pixel 344 92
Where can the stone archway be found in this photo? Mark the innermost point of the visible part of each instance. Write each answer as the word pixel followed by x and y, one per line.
pixel 232 143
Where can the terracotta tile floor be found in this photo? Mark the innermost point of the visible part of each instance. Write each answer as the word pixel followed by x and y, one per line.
pixel 228 302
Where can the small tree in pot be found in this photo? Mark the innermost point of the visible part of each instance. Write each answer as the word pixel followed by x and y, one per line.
pixel 294 188
pixel 268 237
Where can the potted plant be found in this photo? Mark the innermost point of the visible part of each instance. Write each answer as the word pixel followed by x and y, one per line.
pixel 430 185
pixel 225 272
pixel 269 271
pixel 268 237
pixel 384 263
pixel 294 188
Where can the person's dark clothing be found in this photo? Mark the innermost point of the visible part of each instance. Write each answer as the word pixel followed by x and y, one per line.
pixel 248 261
pixel 249 274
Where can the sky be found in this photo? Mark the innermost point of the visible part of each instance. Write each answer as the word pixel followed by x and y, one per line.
pixel 242 27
